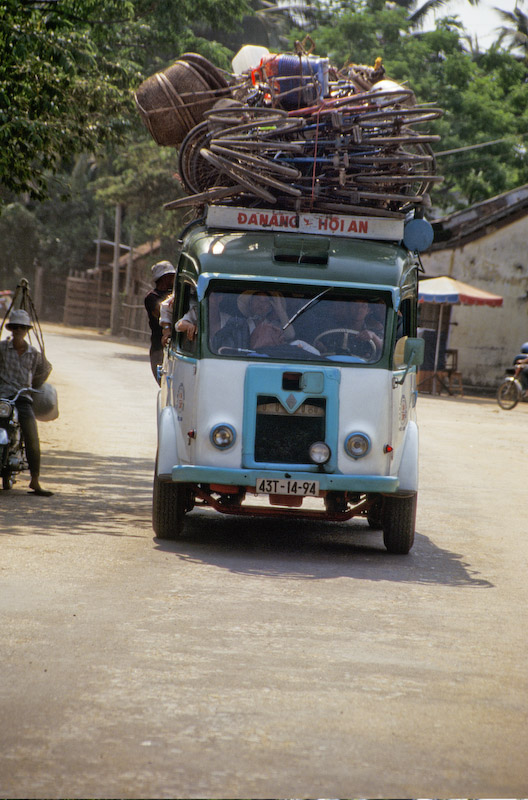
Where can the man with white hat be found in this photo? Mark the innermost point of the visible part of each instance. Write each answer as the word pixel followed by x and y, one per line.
pixel 19 364
pixel 163 277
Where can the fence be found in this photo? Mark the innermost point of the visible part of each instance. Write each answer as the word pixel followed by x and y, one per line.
pixel 134 319
pixel 88 300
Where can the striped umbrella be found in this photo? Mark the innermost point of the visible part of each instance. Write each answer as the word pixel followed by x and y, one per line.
pixel 449 291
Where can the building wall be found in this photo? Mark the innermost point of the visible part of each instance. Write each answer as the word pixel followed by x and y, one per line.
pixel 487 339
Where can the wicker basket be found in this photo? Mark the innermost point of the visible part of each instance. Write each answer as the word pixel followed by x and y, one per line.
pixel 171 103
pixel 212 76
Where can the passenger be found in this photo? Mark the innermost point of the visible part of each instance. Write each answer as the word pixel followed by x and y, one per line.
pixel 166 318
pixel 163 277
pixel 187 323
pixel 256 321
pixel 266 314
pixel 222 308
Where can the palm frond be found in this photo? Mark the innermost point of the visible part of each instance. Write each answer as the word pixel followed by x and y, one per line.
pixel 418 16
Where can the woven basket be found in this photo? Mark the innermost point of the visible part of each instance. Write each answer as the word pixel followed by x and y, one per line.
pixel 172 102
pixel 212 76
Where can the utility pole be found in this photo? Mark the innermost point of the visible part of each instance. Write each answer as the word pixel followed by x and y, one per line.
pixel 114 312
pixel 130 262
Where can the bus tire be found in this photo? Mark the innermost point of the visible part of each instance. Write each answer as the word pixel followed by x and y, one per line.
pixel 398 521
pixel 169 504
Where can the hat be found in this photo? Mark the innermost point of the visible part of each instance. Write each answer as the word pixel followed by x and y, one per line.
pixel 19 317
pixel 162 268
pixel 244 300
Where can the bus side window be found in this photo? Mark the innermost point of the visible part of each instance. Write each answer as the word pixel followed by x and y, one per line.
pixel 402 332
pixel 404 324
pixel 187 312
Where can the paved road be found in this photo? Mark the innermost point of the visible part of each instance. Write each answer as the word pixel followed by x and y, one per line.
pixel 258 659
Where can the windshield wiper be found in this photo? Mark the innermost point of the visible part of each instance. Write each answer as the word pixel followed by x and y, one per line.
pixel 306 306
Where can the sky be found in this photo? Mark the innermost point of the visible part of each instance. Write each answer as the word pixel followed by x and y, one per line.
pixel 481 20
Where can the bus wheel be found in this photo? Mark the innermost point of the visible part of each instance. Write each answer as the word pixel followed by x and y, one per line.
pixel 398 519
pixel 169 504
pixel 374 516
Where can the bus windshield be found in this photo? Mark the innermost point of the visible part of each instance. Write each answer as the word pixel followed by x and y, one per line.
pixel 315 323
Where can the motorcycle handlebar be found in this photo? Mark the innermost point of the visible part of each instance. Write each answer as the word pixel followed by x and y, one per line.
pixel 20 391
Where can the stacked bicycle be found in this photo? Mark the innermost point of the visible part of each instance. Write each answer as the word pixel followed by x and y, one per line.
pixel 296 133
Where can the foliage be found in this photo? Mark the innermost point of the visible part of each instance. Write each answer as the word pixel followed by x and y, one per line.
pixel 142 178
pixel 60 233
pixel 69 128
pixel 484 95
pixel 67 70
pixel 20 234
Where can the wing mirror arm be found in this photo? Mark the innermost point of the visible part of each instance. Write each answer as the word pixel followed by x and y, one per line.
pixel 401 380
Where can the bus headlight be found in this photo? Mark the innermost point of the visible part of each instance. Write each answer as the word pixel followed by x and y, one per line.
pixel 357 445
pixel 319 452
pixel 223 436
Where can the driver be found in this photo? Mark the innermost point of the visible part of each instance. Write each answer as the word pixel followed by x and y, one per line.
pixel 350 326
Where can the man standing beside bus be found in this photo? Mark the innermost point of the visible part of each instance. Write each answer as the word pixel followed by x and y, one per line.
pixel 163 277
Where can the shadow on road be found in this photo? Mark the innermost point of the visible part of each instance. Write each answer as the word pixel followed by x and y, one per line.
pixel 96 495
pixel 133 356
pixel 101 495
pixel 314 551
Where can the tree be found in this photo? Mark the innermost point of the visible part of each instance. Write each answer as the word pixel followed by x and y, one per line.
pixel 67 70
pixel 20 233
pixel 484 95
pixel 515 29
pixel 418 12
pixel 142 178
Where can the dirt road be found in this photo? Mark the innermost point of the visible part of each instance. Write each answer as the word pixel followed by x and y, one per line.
pixel 258 659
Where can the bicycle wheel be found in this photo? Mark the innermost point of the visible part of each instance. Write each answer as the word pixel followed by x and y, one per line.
pixel 508 394
pixel 237 175
pixel 195 173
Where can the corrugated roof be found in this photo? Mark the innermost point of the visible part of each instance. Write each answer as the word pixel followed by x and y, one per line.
pixel 480 219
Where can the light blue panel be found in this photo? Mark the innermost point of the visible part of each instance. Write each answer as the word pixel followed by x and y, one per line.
pixel 313 382
pixel 267 379
pixel 247 477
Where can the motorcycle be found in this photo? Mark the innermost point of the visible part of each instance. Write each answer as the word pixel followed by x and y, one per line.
pixel 512 390
pixel 12 449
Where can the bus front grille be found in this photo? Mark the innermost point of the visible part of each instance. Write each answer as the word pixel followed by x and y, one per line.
pixel 282 437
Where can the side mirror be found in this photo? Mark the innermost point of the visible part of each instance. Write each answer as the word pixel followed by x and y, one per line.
pixel 414 352
pixel 413 356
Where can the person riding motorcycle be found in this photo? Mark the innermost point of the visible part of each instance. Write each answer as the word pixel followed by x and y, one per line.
pixel 521 366
pixel 22 367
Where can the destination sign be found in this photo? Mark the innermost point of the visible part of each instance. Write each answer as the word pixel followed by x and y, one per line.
pixel 259 219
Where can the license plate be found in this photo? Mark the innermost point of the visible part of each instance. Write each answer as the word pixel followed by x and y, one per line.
pixel 299 488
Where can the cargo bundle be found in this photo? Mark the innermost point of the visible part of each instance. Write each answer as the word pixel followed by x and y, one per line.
pixel 292 132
